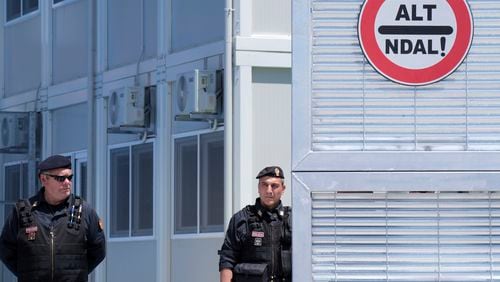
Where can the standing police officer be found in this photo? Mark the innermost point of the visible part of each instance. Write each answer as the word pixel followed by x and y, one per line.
pixel 258 241
pixel 55 235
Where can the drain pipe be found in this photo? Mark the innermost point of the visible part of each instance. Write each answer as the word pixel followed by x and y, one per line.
pixel 91 95
pixel 228 114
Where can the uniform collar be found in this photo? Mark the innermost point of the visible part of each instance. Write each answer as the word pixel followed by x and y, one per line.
pixel 261 210
pixel 39 198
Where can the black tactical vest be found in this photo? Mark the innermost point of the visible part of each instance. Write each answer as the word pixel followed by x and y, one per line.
pixel 270 242
pixel 55 253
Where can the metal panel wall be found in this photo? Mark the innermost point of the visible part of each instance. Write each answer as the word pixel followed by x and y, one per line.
pixel 22 63
pixel 396 226
pixel 265 21
pixel 394 236
pixel 271 123
pixel 130 261
pixel 70 36
pixel 362 145
pixel 349 107
pixel 354 108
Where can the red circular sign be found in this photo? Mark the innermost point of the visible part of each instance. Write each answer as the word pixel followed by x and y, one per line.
pixel 413 43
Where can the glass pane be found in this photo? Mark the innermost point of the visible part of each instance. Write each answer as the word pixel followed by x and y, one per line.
pixel 12 183
pixel 119 196
pixel 212 182
pixel 83 181
pixel 142 190
pixel 13 9
pixel 58 1
pixel 29 6
pixel 185 185
pixel 8 209
pixel 12 187
pixel 25 182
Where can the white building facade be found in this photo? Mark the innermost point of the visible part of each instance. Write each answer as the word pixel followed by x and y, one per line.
pixel 165 184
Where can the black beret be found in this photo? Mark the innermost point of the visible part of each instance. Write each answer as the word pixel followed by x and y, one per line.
pixel 53 162
pixel 274 171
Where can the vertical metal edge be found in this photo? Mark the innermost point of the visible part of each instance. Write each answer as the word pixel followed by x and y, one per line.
pixel 301 81
pixel 301 221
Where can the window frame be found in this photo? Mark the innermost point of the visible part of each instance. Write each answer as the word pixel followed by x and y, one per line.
pixel 198 234
pixel 77 159
pixel 22 16
pixel 129 237
pixel 4 203
pixel 62 3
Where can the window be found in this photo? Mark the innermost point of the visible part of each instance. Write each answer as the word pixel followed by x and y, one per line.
pixel 18 8
pixel 80 179
pixel 131 191
pixel 16 185
pixel 199 183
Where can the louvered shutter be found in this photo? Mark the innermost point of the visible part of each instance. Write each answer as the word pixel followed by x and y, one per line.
pixel 354 108
pixel 406 236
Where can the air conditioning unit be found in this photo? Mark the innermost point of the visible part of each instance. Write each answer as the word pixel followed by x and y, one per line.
pixel 126 108
pixel 15 128
pixel 195 92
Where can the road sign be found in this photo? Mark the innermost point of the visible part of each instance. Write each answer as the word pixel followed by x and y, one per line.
pixel 415 42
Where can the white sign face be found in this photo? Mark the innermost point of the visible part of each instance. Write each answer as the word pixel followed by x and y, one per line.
pixel 418 35
pixel 415 42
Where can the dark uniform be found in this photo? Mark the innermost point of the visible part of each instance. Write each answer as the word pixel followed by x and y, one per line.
pixel 43 242
pixel 258 243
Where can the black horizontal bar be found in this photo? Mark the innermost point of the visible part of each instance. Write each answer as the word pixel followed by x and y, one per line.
pixel 416 29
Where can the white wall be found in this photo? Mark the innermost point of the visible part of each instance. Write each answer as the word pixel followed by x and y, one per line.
pixel 195 259
pixel 131 261
pixel 272 94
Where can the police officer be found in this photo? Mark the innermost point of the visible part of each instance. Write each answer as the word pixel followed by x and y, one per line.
pixel 54 235
pixel 258 241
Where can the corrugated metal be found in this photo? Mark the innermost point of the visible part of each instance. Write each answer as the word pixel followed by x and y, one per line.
pixel 354 108
pixel 406 236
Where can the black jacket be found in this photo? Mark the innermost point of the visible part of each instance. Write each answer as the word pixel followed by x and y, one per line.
pixel 259 236
pixel 80 248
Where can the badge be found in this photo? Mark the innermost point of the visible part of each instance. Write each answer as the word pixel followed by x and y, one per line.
pixel 31 232
pixel 257 242
pixel 257 234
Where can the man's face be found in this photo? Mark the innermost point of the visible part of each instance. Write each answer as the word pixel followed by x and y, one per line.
pixel 56 191
pixel 270 191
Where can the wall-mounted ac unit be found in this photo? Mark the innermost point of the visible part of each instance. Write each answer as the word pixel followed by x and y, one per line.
pixel 195 92
pixel 15 128
pixel 126 108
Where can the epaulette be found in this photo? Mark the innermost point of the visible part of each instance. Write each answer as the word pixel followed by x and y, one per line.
pixel 24 213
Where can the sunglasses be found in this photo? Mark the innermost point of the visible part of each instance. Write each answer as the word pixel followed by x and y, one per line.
pixel 60 178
